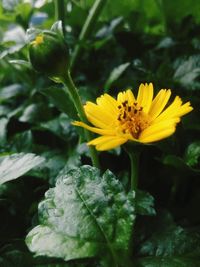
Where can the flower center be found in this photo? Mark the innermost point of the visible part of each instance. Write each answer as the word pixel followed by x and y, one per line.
pixel 132 120
pixel 38 40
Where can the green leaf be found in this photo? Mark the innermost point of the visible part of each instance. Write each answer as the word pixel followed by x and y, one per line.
pixel 11 91
pixel 167 262
pixel 192 154
pixel 144 203
pixel 21 62
pixel 61 100
pixel 23 13
pixel 175 11
pixel 57 28
pixel 171 240
pixel 187 70
pixel 35 112
pixel 115 74
pixel 60 126
pixel 84 216
pixel 16 165
pixel 14 39
pixel 23 142
pixel 18 258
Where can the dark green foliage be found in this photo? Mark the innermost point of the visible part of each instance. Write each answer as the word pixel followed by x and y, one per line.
pixel 133 41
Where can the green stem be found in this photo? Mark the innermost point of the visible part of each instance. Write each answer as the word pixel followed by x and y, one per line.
pixel 87 28
pixel 134 155
pixel 60 12
pixel 73 92
pixel 134 160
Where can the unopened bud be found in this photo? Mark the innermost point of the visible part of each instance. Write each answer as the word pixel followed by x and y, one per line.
pixel 49 54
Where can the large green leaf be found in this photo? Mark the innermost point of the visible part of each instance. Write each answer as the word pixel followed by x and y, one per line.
pixel 85 215
pixel 16 165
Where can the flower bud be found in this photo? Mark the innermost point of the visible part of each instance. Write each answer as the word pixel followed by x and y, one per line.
pixel 49 54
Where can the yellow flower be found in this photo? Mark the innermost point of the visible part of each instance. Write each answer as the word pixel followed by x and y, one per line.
pixel 142 119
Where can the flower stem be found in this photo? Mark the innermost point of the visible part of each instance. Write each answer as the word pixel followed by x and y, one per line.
pixel 134 160
pixel 60 12
pixel 87 28
pixel 134 155
pixel 73 92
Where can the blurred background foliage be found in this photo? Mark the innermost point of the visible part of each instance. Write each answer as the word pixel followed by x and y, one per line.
pixel 133 41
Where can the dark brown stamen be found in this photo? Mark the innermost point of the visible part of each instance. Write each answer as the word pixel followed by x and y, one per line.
pixel 124 115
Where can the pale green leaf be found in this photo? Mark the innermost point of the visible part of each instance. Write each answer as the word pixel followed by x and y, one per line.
pixel 115 74
pixel 16 165
pixel 84 215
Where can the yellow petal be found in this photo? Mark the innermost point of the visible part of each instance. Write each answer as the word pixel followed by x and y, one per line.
pixel 108 103
pixel 130 97
pixel 94 129
pixel 159 103
pixel 97 116
pixel 159 130
pixel 184 109
pixel 157 136
pixel 121 97
pixel 170 111
pixel 145 96
pixel 107 142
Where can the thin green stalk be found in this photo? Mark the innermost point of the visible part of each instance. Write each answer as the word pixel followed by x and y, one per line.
pixel 60 12
pixel 134 160
pixel 73 92
pixel 87 28
pixel 134 155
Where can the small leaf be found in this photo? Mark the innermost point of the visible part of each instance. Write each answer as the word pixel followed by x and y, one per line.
pixel 187 70
pixel 193 154
pixel 84 215
pixel 115 74
pixel 57 27
pixel 144 203
pixel 16 165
